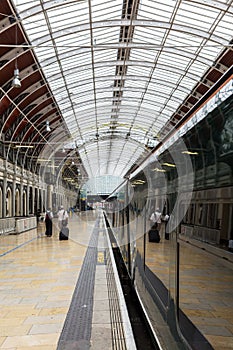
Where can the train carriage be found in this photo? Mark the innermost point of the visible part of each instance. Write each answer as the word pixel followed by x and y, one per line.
pixel 187 279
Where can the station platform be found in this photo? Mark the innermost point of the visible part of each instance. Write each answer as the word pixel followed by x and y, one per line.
pixel 62 295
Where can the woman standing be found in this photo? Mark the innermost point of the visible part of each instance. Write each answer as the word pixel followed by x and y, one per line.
pixel 49 223
pixel 166 219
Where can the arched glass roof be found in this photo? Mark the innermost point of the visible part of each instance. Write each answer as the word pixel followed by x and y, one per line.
pixel 120 70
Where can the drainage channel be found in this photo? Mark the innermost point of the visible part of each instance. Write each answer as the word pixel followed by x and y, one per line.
pixel 142 334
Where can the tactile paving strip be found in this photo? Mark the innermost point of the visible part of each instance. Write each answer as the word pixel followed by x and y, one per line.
pixel 118 336
pixel 76 333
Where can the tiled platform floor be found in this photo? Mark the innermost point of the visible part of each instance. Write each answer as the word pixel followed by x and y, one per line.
pixel 38 276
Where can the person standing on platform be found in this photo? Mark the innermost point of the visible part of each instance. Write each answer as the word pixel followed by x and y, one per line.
pixel 166 219
pixel 62 217
pixel 48 223
pixel 156 218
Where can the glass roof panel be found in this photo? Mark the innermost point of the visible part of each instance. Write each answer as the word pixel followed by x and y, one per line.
pixel 109 65
pixel 150 7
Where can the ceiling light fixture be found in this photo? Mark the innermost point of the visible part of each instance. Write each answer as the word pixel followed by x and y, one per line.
pixel 24 146
pixel 47 126
pixel 190 152
pixel 159 170
pixel 169 164
pixel 16 81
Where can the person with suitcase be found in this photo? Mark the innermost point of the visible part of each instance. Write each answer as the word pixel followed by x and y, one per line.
pixel 156 218
pixel 62 224
pixel 62 217
pixel 64 233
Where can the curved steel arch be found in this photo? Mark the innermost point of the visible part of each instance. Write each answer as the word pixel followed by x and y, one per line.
pixel 129 77
pixel 129 97
pixel 135 23
pixel 131 63
pixel 177 51
pixel 52 4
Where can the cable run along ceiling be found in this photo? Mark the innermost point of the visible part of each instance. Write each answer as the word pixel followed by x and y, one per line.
pixel 119 71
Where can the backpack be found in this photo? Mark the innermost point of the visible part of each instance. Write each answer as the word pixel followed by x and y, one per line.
pixel 47 217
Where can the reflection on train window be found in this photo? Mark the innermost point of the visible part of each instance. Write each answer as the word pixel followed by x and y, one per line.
pixel 199 213
pixel 204 214
pixel 212 215
pixel 191 213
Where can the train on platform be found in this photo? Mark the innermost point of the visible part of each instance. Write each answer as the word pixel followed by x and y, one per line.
pixel 184 283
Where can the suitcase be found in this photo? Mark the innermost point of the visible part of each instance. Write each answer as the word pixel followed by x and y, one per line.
pixel 166 235
pixel 64 234
pixel 154 236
